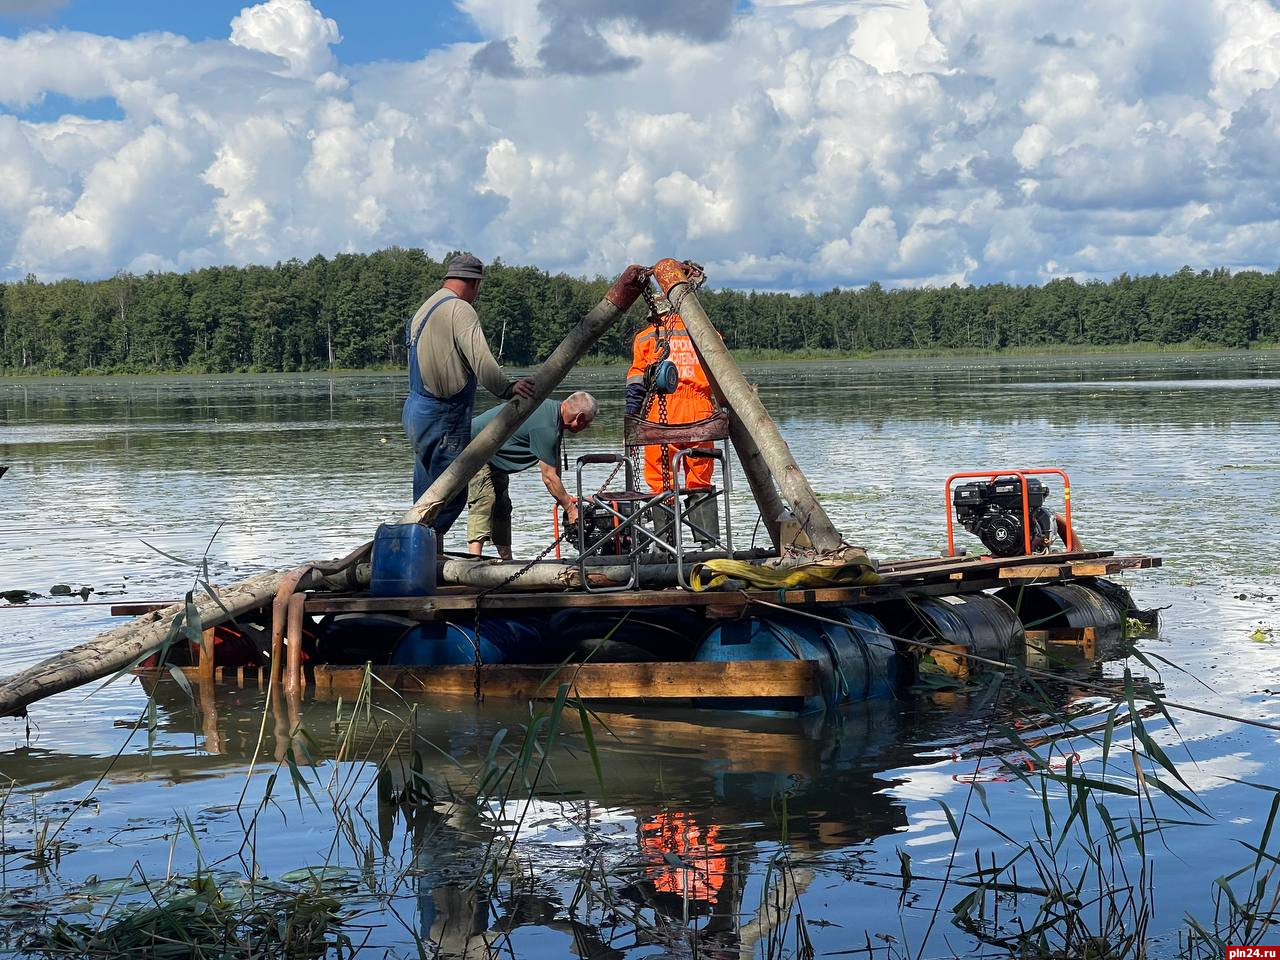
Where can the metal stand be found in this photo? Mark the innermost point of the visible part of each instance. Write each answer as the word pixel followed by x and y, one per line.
pixel 656 522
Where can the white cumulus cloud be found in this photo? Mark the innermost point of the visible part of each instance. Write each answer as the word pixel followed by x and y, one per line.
pixel 292 30
pixel 793 144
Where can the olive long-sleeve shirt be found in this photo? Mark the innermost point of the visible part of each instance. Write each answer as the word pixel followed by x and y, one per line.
pixel 453 346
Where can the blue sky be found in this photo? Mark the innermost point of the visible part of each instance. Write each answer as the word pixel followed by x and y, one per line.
pixel 796 144
pixel 393 30
pixel 371 29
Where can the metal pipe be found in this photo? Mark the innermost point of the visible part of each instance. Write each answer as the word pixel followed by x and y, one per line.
pixel 293 681
pixel 759 479
pixel 279 615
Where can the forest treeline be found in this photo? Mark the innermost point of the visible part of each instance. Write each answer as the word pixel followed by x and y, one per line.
pixel 349 311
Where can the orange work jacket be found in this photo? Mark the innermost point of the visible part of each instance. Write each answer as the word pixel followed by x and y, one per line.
pixel 692 399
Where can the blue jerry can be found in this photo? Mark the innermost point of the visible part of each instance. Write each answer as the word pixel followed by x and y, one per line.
pixel 404 561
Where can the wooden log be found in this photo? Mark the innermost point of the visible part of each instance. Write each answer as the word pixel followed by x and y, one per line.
pixel 589 681
pixel 120 648
pixel 738 394
pixel 546 378
pixel 486 574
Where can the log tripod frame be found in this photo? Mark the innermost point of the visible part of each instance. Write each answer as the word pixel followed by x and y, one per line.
pixel 656 522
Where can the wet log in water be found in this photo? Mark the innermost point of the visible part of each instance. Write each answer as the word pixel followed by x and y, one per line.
pixel 126 645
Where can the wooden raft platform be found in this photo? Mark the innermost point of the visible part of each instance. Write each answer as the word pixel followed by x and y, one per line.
pixel 683 680
pixel 933 576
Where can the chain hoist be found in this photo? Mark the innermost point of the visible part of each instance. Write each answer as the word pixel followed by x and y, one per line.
pixel 661 378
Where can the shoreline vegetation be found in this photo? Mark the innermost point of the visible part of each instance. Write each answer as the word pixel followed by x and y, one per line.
pixel 348 313
pixel 745 356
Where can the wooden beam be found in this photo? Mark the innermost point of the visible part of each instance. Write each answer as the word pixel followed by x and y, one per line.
pixel 205 660
pixel 590 681
pixel 661 680
pixel 429 607
pixel 1086 568
pixel 942 567
pixel 742 400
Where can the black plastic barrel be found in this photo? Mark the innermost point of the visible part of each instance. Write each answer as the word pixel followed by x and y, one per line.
pixel 348 638
pixel 980 622
pixel 1052 606
pixel 622 636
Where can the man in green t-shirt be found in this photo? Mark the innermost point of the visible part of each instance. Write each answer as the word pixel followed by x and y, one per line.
pixel 537 441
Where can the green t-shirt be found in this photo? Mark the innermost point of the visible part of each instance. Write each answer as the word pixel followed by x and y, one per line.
pixel 536 441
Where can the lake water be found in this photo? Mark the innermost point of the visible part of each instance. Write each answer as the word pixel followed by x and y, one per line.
pixel 693 817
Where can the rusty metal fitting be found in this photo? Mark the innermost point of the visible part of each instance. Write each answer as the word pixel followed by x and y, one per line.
pixel 628 286
pixel 669 273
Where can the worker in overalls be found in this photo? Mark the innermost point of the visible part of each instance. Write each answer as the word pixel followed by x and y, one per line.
pixel 448 356
pixel 689 402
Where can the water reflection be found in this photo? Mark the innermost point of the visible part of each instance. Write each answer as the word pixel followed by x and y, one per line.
pixel 705 826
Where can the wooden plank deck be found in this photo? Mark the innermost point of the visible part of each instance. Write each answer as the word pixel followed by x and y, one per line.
pixel 922 577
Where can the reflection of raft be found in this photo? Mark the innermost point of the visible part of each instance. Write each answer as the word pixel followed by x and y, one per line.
pixel 794 651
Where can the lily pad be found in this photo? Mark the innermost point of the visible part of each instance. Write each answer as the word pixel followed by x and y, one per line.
pixel 111 888
pixel 323 875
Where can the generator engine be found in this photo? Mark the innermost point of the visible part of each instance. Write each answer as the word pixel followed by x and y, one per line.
pixel 599 522
pixel 992 511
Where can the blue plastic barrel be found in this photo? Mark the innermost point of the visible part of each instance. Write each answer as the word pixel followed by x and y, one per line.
pixel 628 636
pixel 499 640
pixel 404 561
pixel 856 661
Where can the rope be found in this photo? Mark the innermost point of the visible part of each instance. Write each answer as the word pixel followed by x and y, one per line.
pixel 857 573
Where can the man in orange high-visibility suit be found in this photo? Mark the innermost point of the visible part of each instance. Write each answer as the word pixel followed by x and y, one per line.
pixel 690 402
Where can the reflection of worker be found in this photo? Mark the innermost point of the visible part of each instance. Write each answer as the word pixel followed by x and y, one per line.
pixel 689 861
pixel 690 402
pixel 448 355
pixel 537 441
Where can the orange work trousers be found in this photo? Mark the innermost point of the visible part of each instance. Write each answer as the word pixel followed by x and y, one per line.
pixel 683 406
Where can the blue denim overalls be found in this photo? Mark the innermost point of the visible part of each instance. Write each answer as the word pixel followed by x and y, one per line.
pixel 438 427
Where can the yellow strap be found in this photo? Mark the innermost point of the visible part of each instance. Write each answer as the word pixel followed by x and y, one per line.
pixel 713 574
